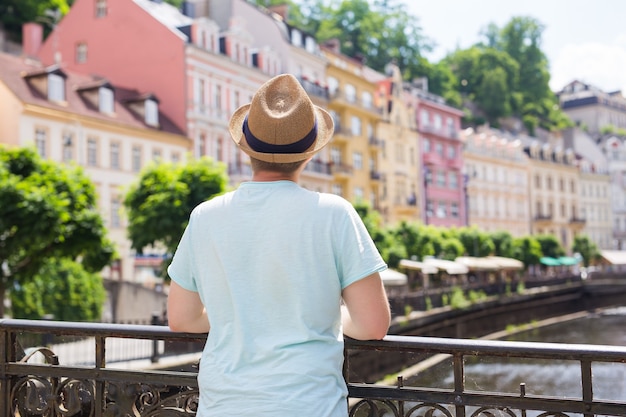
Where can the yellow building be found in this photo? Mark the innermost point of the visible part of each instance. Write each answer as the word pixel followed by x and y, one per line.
pixel 355 149
pixel 111 132
pixel 497 183
pixel 399 158
pixel 554 192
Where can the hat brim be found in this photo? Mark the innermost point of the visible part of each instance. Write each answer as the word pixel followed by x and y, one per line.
pixel 325 129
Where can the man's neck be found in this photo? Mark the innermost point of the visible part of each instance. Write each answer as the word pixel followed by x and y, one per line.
pixel 266 176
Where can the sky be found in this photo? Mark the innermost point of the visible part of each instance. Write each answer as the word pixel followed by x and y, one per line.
pixel 584 40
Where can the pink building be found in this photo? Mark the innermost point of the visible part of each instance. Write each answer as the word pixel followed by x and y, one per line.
pixel 442 160
pixel 122 41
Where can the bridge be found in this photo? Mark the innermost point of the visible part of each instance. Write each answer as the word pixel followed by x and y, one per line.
pixel 102 386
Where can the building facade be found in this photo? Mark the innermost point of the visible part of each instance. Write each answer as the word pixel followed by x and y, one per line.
pixel 400 158
pixel 438 126
pixel 496 181
pixel 554 189
pixel 110 131
pixel 591 108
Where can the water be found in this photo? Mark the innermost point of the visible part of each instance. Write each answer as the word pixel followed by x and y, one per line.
pixel 543 377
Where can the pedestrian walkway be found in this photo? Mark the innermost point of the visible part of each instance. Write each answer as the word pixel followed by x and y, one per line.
pixel 120 353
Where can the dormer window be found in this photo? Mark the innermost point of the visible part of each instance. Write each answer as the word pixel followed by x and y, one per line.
pixel 101 8
pixel 105 100
pixel 296 37
pixel 152 112
pixel 56 87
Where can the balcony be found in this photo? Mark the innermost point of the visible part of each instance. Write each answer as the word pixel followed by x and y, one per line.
pixel 314 89
pixel 575 220
pixel 341 169
pixel 41 381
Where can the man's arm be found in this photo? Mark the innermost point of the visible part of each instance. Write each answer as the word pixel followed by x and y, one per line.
pixel 185 312
pixel 366 314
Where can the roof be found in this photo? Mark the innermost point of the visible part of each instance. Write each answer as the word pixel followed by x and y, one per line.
pixel 616 257
pixel 14 71
pixel 418 266
pixel 392 277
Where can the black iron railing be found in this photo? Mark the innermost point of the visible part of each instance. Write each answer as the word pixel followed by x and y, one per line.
pixel 53 381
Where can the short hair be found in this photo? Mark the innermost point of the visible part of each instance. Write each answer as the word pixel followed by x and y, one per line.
pixel 281 167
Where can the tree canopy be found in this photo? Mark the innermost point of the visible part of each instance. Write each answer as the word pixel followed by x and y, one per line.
pixel 160 201
pixel 47 211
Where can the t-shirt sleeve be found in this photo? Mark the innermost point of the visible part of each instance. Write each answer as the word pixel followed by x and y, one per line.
pixel 181 268
pixel 358 256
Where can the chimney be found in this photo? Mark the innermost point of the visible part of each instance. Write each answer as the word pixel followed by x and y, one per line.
pixel 281 9
pixel 32 38
pixel 333 45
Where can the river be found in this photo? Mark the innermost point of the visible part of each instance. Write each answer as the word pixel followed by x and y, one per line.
pixel 542 377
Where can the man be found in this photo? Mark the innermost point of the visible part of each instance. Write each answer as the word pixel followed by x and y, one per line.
pixel 266 268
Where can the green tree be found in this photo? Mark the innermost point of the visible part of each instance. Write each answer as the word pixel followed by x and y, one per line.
pixel 527 249
pixel 14 13
pixel 160 202
pixel 63 289
pixel 502 243
pixel 47 211
pixel 587 249
pixel 550 246
pixel 475 242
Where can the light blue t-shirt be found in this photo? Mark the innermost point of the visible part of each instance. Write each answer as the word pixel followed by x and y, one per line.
pixel 269 262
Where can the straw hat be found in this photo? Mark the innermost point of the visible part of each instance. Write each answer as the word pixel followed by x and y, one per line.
pixel 281 124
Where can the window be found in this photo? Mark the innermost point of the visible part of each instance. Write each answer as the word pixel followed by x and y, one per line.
pixel 202 145
pixel 296 37
pixel 218 97
pixel 56 87
pixel 438 122
pixel 335 155
pixel 105 100
pixel 453 180
pixel 115 155
pixel 537 181
pixel 101 8
pixel 40 142
pixel 175 157
pixel 136 158
pixel 441 178
pixel 367 99
pixel 357 160
pixel 219 149
pixel 549 183
pixel 358 193
pixel 451 152
pixel 81 53
pixel 92 152
pixel 350 93
pixel 116 221
pixel 152 112
pixel 441 209
pixel 68 146
pixel 426 146
pixel 156 155
pixel 429 208
pixel 424 118
pixel 454 210
pixel 439 149
pixel 333 86
pixel 337 189
pixel 355 126
pixel 200 95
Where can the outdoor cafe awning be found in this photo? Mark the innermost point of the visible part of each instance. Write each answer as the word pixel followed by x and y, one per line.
pixel 490 263
pixel 507 263
pixel 418 266
pixel 615 257
pixel 560 261
pixel 450 267
pixel 391 277
pixel 477 264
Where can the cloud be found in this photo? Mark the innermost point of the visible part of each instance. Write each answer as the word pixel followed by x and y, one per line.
pixel 598 64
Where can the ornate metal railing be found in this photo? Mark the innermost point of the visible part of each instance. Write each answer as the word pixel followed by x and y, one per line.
pixel 53 381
